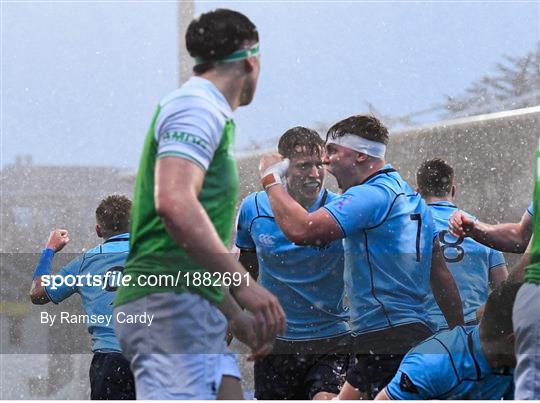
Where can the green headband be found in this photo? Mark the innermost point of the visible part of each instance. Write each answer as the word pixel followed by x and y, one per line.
pixel 234 57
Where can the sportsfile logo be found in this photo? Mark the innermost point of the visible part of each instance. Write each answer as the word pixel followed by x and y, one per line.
pixel 267 240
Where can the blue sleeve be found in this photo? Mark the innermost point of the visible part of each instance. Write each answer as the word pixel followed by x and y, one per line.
pixel 58 292
pixel 422 375
pixel 245 216
pixel 530 209
pixel 360 207
pixel 496 259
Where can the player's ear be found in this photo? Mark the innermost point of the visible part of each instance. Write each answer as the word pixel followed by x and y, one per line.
pixel 99 232
pixel 361 157
pixel 249 64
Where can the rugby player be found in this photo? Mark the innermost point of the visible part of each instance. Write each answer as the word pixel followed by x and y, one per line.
pixel 471 362
pixel 110 376
pixel 183 213
pixel 506 237
pixel 475 267
pixel 391 254
pixel 306 362
pixel 527 310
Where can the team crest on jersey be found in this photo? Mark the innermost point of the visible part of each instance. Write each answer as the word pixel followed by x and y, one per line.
pixel 267 240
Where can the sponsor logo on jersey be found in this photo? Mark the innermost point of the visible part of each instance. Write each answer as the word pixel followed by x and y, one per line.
pixel 181 137
pixel 267 240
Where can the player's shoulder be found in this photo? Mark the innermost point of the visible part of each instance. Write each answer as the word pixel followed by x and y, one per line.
pixel 255 204
pixel 431 367
pixel 330 196
pixel 199 96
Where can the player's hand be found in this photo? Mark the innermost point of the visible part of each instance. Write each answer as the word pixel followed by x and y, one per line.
pixel 243 327
pixel 265 307
pixel 268 160
pixel 460 225
pixel 57 240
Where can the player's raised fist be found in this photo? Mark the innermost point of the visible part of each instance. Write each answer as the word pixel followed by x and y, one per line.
pixel 460 224
pixel 58 239
pixel 272 169
pixel 267 160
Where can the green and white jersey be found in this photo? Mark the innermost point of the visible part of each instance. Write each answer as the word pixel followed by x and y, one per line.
pixel 194 122
pixel 532 272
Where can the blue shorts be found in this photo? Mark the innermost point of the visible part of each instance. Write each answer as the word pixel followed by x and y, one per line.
pixel 180 356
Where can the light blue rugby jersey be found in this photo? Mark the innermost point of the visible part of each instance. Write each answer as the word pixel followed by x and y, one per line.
pixel 109 256
pixel 470 263
pixel 450 365
pixel 308 281
pixel 388 245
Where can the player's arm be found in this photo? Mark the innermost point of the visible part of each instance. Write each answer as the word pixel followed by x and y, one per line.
pixel 299 226
pixel 382 395
pixel 506 237
pixel 178 182
pixel 518 272
pixel 445 289
pixel 56 242
pixel 498 271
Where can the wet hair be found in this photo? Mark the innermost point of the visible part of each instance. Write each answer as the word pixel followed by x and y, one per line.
pixel 366 126
pixel 300 140
pixel 435 178
pixel 497 320
pixel 113 214
pixel 217 34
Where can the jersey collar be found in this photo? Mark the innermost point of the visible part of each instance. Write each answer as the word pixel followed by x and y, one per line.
pixel 385 170
pixel 320 201
pixel 118 238
pixel 443 203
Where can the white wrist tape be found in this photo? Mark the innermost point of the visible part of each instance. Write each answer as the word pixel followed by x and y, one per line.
pixel 275 174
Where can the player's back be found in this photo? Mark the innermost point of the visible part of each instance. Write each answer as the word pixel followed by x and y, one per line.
pixel 97 300
pixel 450 365
pixel 389 266
pixel 469 262
pixel 195 123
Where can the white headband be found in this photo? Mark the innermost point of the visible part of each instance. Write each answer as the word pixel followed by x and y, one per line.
pixel 360 144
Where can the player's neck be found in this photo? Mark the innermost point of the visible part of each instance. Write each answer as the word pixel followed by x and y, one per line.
pixel 362 174
pixel 306 203
pixel 435 199
pixel 227 84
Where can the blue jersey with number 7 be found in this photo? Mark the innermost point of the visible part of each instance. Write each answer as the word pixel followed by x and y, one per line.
pixel 469 262
pixel 389 233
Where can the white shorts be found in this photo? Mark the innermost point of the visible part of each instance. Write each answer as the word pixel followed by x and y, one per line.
pixel 182 355
pixel 526 316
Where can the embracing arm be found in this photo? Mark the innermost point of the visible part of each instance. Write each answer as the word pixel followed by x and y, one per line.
pixel 299 226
